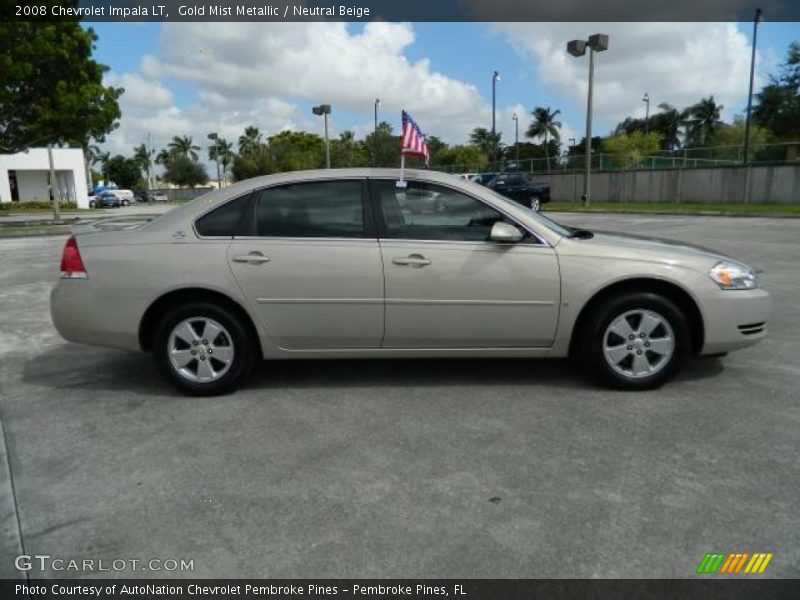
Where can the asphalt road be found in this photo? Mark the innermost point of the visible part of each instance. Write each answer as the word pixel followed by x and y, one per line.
pixel 446 468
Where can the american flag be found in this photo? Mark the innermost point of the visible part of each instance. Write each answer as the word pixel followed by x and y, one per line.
pixel 412 141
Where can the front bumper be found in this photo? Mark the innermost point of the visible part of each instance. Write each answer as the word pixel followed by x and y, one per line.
pixel 735 319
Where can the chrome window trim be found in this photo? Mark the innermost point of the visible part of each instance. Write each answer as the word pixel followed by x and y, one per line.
pixel 542 241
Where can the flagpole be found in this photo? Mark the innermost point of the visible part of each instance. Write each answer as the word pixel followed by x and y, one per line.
pixel 402 182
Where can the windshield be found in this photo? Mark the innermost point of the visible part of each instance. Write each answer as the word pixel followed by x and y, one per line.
pixel 536 216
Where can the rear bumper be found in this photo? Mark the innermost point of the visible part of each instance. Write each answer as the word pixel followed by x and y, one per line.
pixel 736 319
pixel 82 315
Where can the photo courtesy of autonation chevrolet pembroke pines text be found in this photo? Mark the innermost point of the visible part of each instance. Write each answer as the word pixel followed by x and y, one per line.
pixel 387 300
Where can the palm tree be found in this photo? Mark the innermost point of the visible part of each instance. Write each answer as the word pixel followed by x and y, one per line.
pixel 668 123
pixel 702 119
pixel 144 155
pixel 221 151
pixel 250 141
pixel 98 156
pixel 182 146
pixel 544 125
pixel 483 139
pixel 162 158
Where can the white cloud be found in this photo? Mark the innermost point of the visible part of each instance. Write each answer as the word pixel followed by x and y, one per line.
pixel 140 91
pixel 317 62
pixel 677 63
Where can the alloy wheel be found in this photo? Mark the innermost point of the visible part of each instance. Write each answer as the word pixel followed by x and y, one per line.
pixel 200 349
pixel 638 343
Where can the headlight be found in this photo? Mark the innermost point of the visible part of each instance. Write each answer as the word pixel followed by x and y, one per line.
pixel 733 276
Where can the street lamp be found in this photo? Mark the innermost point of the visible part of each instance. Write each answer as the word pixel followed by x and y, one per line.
pixel 495 79
pixel 759 18
pixel 646 100
pixel 325 110
pixel 596 43
pixel 516 137
pixel 377 102
pixel 215 137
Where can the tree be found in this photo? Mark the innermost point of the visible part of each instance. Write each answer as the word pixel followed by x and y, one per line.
pixel 666 123
pixel 778 104
pixel 222 150
pixel 143 157
pixel 730 139
pixel 51 90
pixel 347 152
pixel 183 146
pixel 702 119
pixel 484 140
pixel 125 172
pixel 185 172
pixel 628 149
pixel 544 125
pixel 384 146
pixel 466 157
pixel 250 141
pixel 101 158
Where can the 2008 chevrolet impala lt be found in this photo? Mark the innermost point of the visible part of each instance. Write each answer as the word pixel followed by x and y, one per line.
pixel 349 263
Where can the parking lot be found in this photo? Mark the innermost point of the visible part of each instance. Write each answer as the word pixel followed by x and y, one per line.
pixel 406 468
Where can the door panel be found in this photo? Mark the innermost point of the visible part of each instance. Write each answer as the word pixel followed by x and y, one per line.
pixel 470 295
pixel 447 285
pixel 311 267
pixel 313 294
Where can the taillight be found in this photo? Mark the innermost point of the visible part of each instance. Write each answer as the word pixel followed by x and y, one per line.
pixel 71 262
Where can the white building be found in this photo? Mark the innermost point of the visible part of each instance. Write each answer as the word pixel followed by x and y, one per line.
pixel 24 176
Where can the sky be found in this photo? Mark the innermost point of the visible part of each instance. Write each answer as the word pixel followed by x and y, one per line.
pixel 196 78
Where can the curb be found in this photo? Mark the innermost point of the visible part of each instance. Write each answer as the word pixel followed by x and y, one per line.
pixel 10 529
pixel 676 214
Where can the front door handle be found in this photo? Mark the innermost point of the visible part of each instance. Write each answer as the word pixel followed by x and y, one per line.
pixel 412 260
pixel 252 258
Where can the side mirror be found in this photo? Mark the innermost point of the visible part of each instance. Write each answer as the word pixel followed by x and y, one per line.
pixel 505 233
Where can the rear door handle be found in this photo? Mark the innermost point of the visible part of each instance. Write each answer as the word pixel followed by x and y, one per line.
pixel 253 258
pixel 413 260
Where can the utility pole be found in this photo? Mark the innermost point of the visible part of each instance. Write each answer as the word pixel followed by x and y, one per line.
pixel 54 201
pixel 759 17
pixel 646 100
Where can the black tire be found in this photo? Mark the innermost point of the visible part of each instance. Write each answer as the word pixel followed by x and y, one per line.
pixel 240 340
pixel 126 203
pixel 594 333
pixel 536 203
pixel 92 204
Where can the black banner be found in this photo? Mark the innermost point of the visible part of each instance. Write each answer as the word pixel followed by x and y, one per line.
pixel 400 10
pixel 738 588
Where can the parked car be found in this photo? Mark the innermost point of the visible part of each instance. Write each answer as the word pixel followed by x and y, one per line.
pixel 157 197
pixel 484 178
pixel 126 196
pixel 326 264
pixel 105 200
pixel 522 188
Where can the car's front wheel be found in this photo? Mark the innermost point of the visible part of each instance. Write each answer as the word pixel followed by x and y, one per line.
pixel 634 341
pixel 126 203
pixel 92 204
pixel 203 349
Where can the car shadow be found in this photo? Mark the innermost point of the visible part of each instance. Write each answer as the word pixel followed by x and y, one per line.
pixel 72 366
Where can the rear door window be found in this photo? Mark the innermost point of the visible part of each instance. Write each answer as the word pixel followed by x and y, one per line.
pixel 318 209
pixel 224 221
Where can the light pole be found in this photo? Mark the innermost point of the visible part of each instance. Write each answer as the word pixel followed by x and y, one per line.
pixel 495 79
pixel 596 43
pixel 759 18
pixel 646 100
pixel 215 137
pixel 377 103
pixel 325 110
pixel 516 138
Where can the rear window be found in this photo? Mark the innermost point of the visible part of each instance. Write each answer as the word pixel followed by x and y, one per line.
pixel 223 221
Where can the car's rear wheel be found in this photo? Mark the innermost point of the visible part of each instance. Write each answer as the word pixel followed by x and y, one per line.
pixel 92 204
pixel 536 203
pixel 203 349
pixel 635 341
